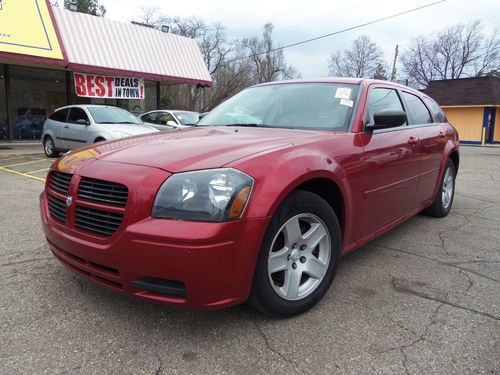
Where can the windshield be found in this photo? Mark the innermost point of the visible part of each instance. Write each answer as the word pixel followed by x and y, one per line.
pixel 318 106
pixel 112 115
pixel 187 118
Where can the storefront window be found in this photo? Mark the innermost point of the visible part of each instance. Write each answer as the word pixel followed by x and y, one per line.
pixel 34 94
pixel 3 106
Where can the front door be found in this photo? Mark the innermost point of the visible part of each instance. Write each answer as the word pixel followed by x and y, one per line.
pixel 389 178
pixel 76 132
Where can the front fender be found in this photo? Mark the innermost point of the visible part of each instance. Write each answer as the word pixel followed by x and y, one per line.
pixel 278 172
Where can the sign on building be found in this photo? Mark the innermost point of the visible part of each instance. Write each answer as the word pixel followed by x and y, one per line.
pixel 97 86
pixel 26 28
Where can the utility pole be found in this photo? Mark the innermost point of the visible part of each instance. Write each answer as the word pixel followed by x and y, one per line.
pixel 393 74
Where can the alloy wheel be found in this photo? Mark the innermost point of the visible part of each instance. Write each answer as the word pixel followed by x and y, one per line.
pixel 299 257
pixel 49 146
pixel 448 186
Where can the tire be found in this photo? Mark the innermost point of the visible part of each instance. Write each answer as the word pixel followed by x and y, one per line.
pixel 292 272
pixel 49 147
pixel 100 139
pixel 444 196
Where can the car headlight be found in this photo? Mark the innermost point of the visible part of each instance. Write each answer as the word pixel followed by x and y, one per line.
pixel 122 134
pixel 207 195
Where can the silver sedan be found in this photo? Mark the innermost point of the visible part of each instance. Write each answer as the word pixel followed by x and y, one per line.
pixel 77 125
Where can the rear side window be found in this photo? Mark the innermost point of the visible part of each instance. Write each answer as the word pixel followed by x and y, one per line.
pixel 383 98
pixel 60 115
pixel 77 114
pixel 150 117
pixel 418 111
pixel 436 109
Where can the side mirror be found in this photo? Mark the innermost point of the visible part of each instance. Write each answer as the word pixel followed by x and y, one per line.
pixel 203 115
pixel 171 123
pixel 83 122
pixel 387 118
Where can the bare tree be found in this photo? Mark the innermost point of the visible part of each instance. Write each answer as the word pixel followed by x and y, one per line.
pixel 456 52
pixel 363 59
pixel 232 65
pixel 268 60
pixel 150 16
pixel 87 6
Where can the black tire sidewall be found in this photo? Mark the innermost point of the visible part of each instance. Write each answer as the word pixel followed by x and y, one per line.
pixel 263 295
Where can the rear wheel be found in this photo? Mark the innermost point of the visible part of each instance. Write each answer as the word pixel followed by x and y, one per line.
pixel 49 147
pixel 298 258
pixel 100 139
pixel 444 197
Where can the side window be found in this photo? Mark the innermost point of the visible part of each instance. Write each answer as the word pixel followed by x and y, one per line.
pixel 418 111
pixel 60 115
pixel 77 114
pixel 150 117
pixel 383 98
pixel 165 117
pixel 436 110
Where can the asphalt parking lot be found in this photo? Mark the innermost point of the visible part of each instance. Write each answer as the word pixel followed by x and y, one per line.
pixel 422 299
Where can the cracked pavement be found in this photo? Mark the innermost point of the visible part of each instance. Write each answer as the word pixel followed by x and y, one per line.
pixel 422 299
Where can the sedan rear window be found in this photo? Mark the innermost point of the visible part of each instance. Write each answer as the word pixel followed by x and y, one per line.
pixel 318 106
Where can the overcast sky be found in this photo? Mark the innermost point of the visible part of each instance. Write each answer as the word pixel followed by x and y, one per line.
pixel 299 20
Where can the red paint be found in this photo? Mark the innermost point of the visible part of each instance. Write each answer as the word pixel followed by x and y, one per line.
pixel 100 89
pixel 80 86
pixel 383 180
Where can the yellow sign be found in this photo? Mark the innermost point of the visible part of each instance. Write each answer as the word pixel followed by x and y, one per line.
pixel 26 28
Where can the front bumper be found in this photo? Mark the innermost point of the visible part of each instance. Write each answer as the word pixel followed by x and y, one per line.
pixel 214 262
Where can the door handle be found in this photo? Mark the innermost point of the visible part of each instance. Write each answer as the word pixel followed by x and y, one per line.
pixel 413 140
pixel 66 127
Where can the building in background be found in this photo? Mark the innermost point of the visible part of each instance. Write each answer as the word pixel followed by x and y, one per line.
pixel 51 57
pixel 472 105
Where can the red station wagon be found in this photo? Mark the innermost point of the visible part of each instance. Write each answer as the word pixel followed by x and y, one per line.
pixel 256 203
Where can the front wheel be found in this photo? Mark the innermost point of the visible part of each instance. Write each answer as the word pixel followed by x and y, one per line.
pixel 49 147
pixel 298 258
pixel 444 197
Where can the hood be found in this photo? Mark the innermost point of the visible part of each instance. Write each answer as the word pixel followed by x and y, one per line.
pixel 130 129
pixel 188 149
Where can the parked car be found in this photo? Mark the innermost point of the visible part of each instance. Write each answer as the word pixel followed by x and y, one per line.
pixel 259 201
pixel 170 119
pixel 77 125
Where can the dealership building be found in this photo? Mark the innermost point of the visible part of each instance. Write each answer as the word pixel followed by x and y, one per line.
pixel 51 57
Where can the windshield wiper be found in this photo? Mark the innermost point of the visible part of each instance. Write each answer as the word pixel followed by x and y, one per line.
pixel 252 125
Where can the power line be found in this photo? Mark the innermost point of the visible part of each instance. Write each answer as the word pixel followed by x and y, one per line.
pixel 340 31
pixel 323 16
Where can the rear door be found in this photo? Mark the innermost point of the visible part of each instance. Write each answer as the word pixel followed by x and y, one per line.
pixel 390 175
pixel 430 148
pixel 77 130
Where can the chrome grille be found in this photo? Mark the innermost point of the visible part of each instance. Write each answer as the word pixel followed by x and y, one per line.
pixel 97 221
pixel 57 208
pixel 103 191
pixel 60 181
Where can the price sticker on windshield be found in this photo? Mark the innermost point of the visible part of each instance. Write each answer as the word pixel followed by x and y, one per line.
pixel 343 93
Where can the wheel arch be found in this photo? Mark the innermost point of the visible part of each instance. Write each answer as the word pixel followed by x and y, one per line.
pixel 455 158
pixel 330 192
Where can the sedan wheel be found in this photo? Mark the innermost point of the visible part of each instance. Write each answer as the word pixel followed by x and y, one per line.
pixel 49 147
pixel 298 257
